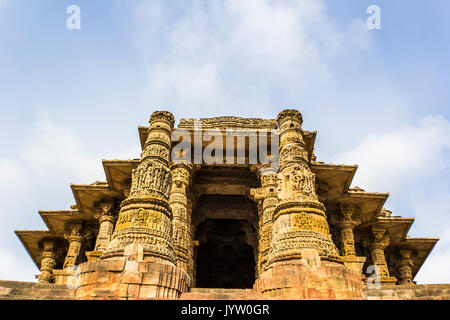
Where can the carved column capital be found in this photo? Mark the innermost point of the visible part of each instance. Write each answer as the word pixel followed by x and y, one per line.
pixel 381 238
pixel 73 231
pixel 264 169
pixel 102 218
pixel 289 114
pixel 181 174
pixel 347 217
pixel 162 116
pixel 106 211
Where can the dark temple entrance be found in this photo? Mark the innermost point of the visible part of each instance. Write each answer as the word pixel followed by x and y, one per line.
pixel 224 258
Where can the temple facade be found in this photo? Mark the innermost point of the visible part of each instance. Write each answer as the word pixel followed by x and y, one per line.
pixel 173 225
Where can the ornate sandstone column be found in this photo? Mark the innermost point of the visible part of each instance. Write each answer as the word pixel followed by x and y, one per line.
pixel 140 260
pixel 379 241
pixel 106 220
pixel 303 262
pixel 48 261
pixel 74 234
pixel 299 218
pixel 404 267
pixel 266 198
pixel 346 220
pixel 145 216
pixel 346 224
pixel 181 206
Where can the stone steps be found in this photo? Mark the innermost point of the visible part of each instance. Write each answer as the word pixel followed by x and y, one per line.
pixel 410 292
pixel 27 297
pixel 221 294
pixel 19 290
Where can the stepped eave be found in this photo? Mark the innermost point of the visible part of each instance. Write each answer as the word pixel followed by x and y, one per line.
pixel 397 227
pixel 334 179
pixel 369 203
pixel 88 196
pixel 118 174
pixel 31 240
pixel 422 248
pixel 55 220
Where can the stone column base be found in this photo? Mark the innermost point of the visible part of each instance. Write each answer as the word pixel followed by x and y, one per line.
pixel 93 255
pixel 128 279
pixel 388 281
pixel 62 276
pixel 355 263
pixel 310 278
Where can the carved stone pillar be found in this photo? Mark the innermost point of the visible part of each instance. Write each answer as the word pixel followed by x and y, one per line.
pixel 140 260
pixel 106 218
pixel 346 225
pixel 302 262
pixel 73 234
pixel 145 216
pixel 404 267
pixel 266 198
pixel 106 226
pixel 346 220
pixel 380 241
pixel 299 218
pixel 48 262
pixel 258 252
pixel 181 206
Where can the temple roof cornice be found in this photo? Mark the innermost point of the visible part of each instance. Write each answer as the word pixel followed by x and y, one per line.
pixel 32 238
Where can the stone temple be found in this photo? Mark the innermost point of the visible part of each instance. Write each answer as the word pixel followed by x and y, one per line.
pixel 158 228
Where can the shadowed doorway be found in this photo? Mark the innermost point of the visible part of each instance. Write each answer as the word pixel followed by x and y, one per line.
pixel 224 258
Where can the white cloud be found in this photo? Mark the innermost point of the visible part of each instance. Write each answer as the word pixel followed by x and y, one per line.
pixel 13 269
pixel 237 55
pixel 53 151
pixel 393 160
pixel 52 157
pixel 12 176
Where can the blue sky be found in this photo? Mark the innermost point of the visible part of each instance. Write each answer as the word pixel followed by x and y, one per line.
pixel 378 98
